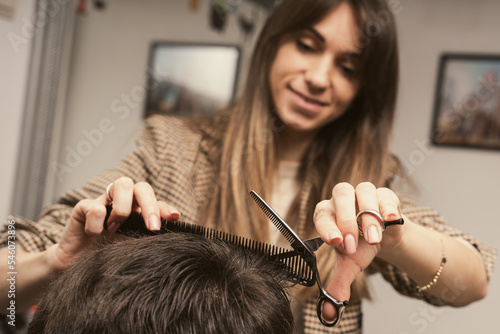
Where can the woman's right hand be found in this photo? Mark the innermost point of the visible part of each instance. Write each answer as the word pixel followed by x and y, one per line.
pixel 87 219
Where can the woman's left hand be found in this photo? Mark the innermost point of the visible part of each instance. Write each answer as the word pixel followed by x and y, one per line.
pixel 335 221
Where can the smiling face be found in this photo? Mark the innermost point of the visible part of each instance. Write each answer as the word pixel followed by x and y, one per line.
pixel 314 77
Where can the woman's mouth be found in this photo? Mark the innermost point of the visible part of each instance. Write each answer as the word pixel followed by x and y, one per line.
pixel 306 102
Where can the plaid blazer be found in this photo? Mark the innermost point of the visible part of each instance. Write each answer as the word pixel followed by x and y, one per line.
pixel 177 162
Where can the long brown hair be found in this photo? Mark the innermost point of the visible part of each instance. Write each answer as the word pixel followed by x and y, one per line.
pixel 352 148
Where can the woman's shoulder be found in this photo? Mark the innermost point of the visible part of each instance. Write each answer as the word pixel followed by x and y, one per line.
pixel 166 123
pixel 204 135
pixel 161 130
pixel 211 126
pixel 212 131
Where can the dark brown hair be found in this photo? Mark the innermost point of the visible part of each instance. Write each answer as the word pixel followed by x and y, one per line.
pixel 169 283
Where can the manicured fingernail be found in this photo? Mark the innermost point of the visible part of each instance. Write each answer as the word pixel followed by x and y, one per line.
pixel 373 234
pixel 174 214
pixel 334 236
pixel 391 216
pixel 113 227
pixel 154 223
pixel 349 244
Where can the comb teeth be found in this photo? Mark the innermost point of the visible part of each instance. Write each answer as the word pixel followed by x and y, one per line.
pixel 302 273
pixel 252 245
pixel 274 217
pixel 294 264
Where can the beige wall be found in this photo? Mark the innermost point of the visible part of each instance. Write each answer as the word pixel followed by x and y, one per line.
pixel 462 184
pixel 108 67
pixel 15 50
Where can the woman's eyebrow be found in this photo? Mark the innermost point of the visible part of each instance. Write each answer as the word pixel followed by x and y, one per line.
pixel 347 54
pixel 317 34
pixel 352 54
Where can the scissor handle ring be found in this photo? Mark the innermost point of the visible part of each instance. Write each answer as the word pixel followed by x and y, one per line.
pixel 339 306
pixel 377 215
pixel 374 213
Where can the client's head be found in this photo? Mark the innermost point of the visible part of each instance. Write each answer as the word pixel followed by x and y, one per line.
pixel 169 283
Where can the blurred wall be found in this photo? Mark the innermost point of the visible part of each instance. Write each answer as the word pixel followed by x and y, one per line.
pixel 462 184
pixel 109 65
pixel 15 51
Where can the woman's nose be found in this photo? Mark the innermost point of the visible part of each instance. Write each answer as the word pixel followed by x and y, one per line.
pixel 318 74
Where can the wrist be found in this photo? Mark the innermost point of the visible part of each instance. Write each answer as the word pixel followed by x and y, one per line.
pixel 391 251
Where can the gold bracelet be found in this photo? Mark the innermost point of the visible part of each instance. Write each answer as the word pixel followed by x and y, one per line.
pixel 438 272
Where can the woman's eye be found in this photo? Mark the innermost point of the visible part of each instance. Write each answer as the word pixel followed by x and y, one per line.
pixel 303 46
pixel 349 71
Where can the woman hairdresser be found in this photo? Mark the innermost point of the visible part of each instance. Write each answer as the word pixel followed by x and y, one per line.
pixel 310 133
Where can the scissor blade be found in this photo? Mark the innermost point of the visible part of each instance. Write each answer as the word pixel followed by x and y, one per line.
pixel 314 243
pixel 280 224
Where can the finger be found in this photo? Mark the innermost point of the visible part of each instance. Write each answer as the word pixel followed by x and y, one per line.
pixel 85 222
pixel 324 221
pixel 168 212
pixel 329 312
pixel 146 198
pixel 389 204
pixel 90 214
pixel 344 204
pixel 340 288
pixel 345 273
pixel 135 206
pixel 122 193
pixel 367 199
pixel 108 225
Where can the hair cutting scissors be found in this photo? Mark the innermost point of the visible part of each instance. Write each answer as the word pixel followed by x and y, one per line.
pixel 303 249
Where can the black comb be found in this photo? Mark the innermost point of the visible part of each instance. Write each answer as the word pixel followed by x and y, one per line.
pixel 135 227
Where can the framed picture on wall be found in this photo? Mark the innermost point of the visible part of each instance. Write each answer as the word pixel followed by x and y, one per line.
pixel 467 104
pixel 190 80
